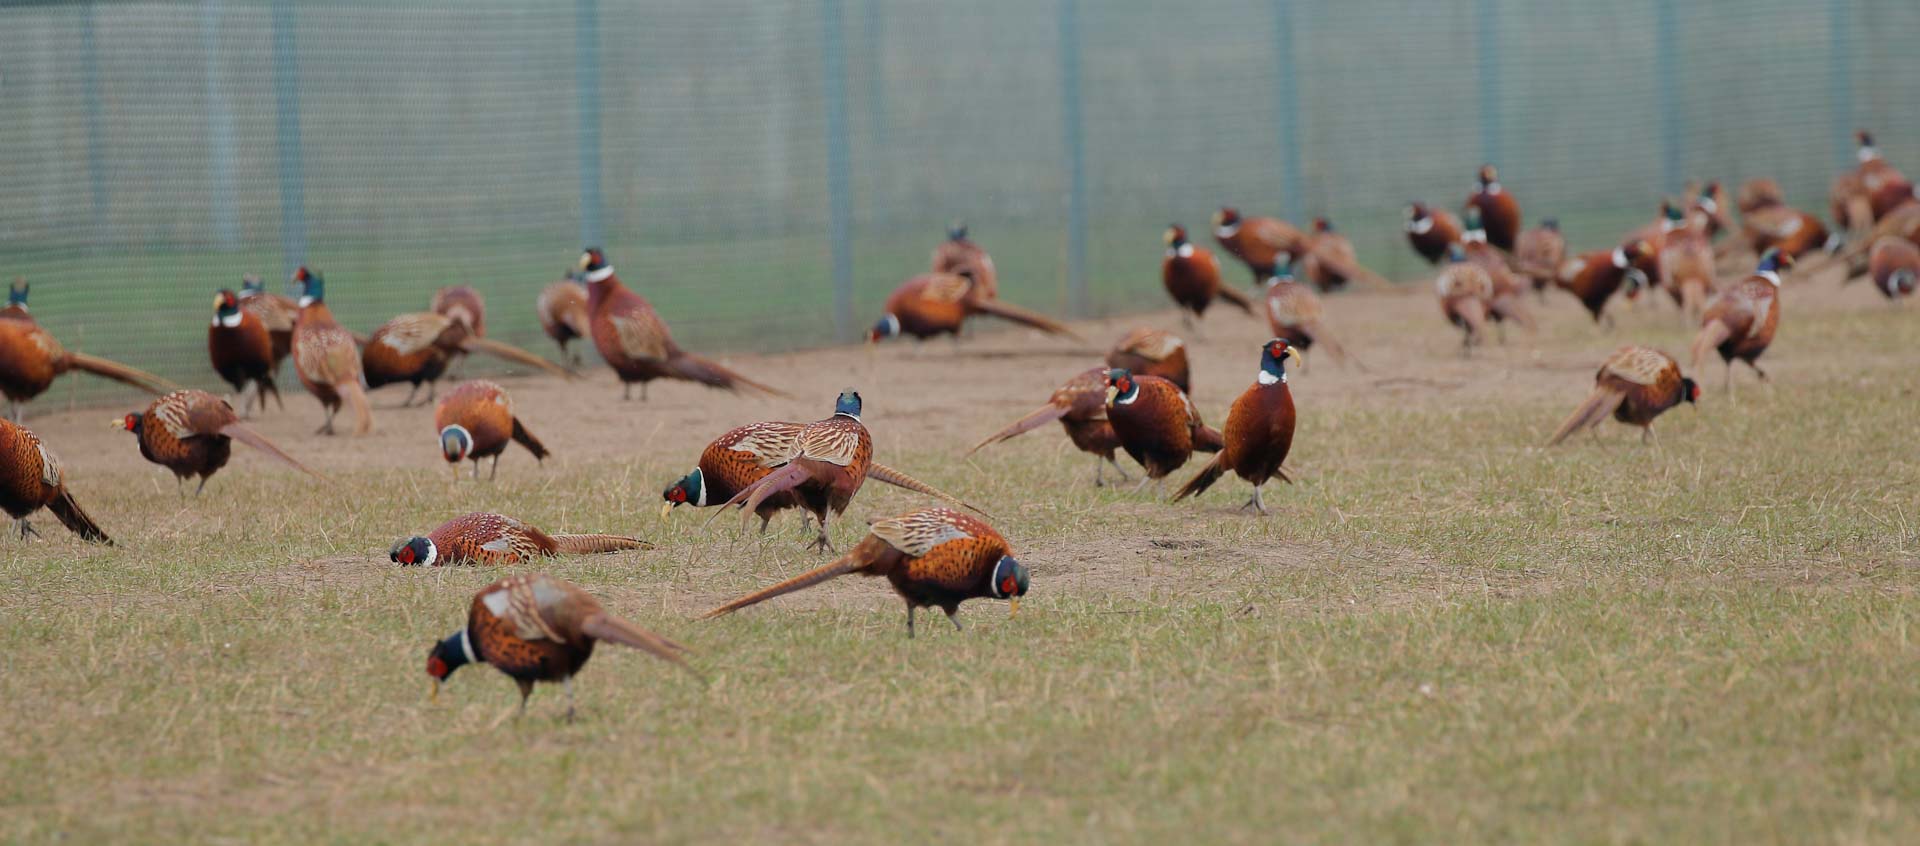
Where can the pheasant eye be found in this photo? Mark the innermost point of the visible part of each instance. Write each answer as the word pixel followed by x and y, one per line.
pixel 436 667
pixel 406 557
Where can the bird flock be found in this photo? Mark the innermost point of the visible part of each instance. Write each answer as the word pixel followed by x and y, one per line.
pixel 1490 272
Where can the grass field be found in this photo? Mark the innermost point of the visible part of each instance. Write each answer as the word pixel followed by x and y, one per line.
pixel 1444 633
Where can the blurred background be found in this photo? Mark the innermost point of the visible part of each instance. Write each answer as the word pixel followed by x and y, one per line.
pixel 766 172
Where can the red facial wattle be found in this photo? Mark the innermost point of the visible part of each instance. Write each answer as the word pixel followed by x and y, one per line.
pixel 436 667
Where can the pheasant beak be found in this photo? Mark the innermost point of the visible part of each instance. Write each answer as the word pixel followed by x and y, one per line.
pixel 1013 606
pixel 1112 391
pixel 118 423
pixel 586 260
pixel 1299 358
pixel 433 695
pixel 666 510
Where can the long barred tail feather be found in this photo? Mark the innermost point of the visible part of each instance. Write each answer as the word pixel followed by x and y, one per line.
pixel 1039 417
pixel 596 544
pixel 1590 412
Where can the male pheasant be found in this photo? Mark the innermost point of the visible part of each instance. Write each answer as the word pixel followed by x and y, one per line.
pixel 475 420
pixel 192 432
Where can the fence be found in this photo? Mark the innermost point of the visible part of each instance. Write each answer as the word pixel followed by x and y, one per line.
pixel 767 171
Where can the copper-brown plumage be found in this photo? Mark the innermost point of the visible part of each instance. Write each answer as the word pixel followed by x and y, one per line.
pixel 1687 265
pixel 30 359
pixel 277 312
pixel 537 628
pixel 32 478
pixel 1153 352
pixel 1767 221
pixel 1259 430
pixel 1431 231
pixel 1635 385
pixel 960 256
pixel 1294 312
pixel 635 342
pixel 462 303
pixel 562 309
pixel 1081 407
pixel 1893 263
pixel 1539 253
pixel 1264 244
pixel 487 538
pixel 1466 295
pixel 242 352
pixel 1156 423
pixel 933 304
pixel 192 432
pixel 734 461
pixel 1593 278
pixel 933 558
pixel 327 359
pixel 1329 262
pixel 416 348
pixel 1506 302
pixel 1497 207
pixel 1191 276
pixel 1740 322
pixel 475 420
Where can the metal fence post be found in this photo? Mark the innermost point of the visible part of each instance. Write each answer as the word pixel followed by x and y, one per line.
pixel 586 74
pixel 226 221
pixel 1487 46
pixel 286 97
pixel 1287 111
pixel 96 133
pixel 1666 64
pixel 1839 45
pixel 833 65
pixel 1077 303
pixel 878 154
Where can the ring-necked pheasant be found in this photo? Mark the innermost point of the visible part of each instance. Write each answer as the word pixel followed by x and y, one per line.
pixel 30 359
pixel 562 309
pixel 960 256
pixel 1431 231
pixel 1687 264
pixel 1497 207
pixel 1593 278
pixel 1081 407
pixel 1328 260
pixel 1259 430
pixel 1870 191
pixel 1294 312
pixel 278 311
pixel 475 420
pixel 1767 221
pixel 1893 264
pixel 635 342
pixel 462 303
pixel 487 538
pixel 17 300
pixel 1264 244
pixel 1507 302
pixel 1635 385
pixel 417 348
pixel 1152 352
pixel 1465 293
pixel 828 462
pixel 1539 254
pixel 537 628
pixel 192 432
pixel 939 303
pixel 1156 423
pixel 242 352
pixel 934 558
pixel 735 460
pixel 1741 321
pixel 327 359
pixel 1711 200
pixel 1191 276
pixel 31 478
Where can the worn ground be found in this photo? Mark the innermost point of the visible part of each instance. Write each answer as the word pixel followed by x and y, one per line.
pixel 1445 632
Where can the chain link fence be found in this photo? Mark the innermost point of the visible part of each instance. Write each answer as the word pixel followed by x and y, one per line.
pixel 767 171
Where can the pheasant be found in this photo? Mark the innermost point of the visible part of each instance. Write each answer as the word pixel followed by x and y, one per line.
pixel 1594 277
pixel 31 478
pixel 1294 312
pixel 1431 231
pixel 475 420
pixel 1328 260
pixel 417 348
pixel 1465 294
pixel 1903 222
pixel 1264 244
pixel 325 357
pixel 1741 321
pixel 1156 423
pixel 1873 189
pixel 1497 207
pixel 1192 278
pixel 933 304
pixel 486 538
pixel 635 342
pixel 934 558
pixel 278 312
pixel 1539 253
pixel 826 462
pixel 1507 302
pixel 17 301
pixel 1767 221
pixel 1081 407
pixel 1259 430
pixel 562 309
pixel 1151 352
pixel 962 257
pixel 192 433
pixel 30 359
pixel 464 304
pixel 1893 263
pixel 242 352
pixel 735 460
pixel 1636 384
pixel 1686 264
pixel 1711 200
pixel 537 628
